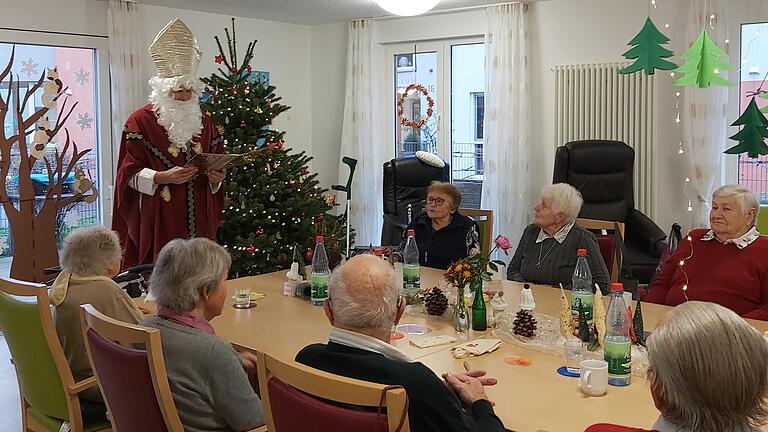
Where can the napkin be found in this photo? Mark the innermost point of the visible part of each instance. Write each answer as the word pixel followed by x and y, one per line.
pixel 430 341
pixel 476 347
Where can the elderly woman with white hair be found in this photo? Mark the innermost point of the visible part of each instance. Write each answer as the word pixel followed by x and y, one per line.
pixel 726 264
pixel 89 259
pixel 549 247
pixel 208 378
pixel 708 372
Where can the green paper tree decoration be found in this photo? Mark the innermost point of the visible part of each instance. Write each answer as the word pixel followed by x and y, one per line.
pixel 637 325
pixel 752 136
pixel 703 64
pixel 648 52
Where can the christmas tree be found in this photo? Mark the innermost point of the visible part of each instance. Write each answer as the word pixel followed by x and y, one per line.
pixel 272 202
pixel 648 52
pixel 752 136
pixel 703 64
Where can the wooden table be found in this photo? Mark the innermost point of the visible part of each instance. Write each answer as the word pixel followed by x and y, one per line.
pixel 527 398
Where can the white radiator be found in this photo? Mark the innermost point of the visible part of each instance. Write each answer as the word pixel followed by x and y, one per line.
pixel 593 101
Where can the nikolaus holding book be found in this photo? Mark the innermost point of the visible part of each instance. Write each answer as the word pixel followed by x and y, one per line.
pixel 158 196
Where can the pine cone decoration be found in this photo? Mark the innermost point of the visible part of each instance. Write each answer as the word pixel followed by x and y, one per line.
pixel 436 302
pixel 524 323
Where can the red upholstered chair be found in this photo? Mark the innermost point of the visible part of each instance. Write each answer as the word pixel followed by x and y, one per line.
pixel 605 242
pixel 133 381
pixel 605 427
pixel 322 399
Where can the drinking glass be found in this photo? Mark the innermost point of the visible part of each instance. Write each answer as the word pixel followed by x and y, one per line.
pixel 242 297
pixel 574 354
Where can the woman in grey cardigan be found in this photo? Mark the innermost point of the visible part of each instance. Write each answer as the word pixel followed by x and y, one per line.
pixel 547 250
pixel 207 377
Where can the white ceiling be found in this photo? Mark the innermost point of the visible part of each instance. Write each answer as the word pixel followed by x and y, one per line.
pixel 309 12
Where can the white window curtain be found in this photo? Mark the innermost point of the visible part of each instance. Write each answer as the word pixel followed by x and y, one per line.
pixel 507 145
pixel 358 138
pixel 703 115
pixel 126 51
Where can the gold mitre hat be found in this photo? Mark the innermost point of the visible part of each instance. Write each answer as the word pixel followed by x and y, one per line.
pixel 175 51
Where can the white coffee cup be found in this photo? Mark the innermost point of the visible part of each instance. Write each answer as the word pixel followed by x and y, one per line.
pixel 594 377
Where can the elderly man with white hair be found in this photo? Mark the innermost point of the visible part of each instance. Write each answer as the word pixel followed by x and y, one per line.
pixel 726 264
pixel 363 307
pixel 549 246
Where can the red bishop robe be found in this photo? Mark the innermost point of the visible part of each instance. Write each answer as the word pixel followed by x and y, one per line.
pixel 146 223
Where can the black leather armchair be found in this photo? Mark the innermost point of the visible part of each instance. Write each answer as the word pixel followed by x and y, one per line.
pixel 405 183
pixel 603 172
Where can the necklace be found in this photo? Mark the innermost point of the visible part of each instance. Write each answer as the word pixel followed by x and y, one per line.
pixel 542 258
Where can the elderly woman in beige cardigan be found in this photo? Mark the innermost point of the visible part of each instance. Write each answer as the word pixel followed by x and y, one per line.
pixel 90 258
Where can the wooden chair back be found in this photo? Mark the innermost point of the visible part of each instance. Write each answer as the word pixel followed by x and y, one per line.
pixel 484 219
pixel 334 388
pixel 613 262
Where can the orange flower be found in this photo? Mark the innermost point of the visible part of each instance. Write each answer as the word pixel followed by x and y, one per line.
pixel 467 273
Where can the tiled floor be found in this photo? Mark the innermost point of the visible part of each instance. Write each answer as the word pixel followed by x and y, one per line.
pixel 10 410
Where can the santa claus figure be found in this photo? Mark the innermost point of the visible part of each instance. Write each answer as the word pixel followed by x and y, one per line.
pixel 158 197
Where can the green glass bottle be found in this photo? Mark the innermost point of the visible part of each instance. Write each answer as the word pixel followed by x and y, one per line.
pixel 479 318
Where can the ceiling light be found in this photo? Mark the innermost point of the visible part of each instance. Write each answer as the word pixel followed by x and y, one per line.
pixel 407 7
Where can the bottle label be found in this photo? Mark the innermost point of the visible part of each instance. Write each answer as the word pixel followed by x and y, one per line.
pixel 585 300
pixel 619 357
pixel 411 278
pixel 320 286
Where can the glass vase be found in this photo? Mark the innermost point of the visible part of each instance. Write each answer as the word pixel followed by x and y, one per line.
pixel 460 313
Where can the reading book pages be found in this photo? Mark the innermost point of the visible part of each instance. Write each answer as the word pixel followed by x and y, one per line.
pixel 214 161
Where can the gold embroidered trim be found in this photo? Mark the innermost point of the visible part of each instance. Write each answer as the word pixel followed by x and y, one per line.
pixel 165 193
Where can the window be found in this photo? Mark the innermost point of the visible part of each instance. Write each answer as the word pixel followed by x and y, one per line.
pixel 478 100
pixel 77 60
pixel 415 68
pixel 753 173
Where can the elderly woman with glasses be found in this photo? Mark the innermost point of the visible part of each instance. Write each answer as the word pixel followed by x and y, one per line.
pixel 443 235
pixel 708 372
pixel 549 246
pixel 208 378
pixel 726 264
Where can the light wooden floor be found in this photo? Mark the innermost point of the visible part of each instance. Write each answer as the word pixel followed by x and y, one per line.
pixel 10 415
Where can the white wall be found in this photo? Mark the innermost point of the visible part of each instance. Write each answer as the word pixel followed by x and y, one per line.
pixel 329 70
pixel 70 16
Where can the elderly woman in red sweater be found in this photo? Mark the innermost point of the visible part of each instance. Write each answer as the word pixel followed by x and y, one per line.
pixel 727 264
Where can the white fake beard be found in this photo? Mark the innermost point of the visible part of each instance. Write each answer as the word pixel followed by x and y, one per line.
pixel 181 119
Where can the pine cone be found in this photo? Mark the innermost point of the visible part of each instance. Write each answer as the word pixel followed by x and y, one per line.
pixel 524 324
pixel 436 302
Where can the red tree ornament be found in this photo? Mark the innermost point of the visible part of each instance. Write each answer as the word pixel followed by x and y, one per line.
pixel 248 68
pixel 259 231
pixel 308 255
pixel 242 125
pixel 218 59
pixel 251 249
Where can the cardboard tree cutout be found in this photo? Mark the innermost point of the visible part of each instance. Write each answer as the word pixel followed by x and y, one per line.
pixel 34 226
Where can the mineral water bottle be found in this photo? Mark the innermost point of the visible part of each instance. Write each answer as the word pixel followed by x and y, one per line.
pixel 320 273
pixel 581 285
pixel 411 271
pixel 618 345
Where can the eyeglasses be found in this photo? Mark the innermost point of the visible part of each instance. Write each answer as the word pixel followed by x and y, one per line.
pixel 436 201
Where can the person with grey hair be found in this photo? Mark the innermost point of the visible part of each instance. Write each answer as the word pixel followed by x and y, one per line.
pixel 708 372
pixel 725 264
pixel 363 308
pixel 89 259
pixel 207 377
pixel 548 247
